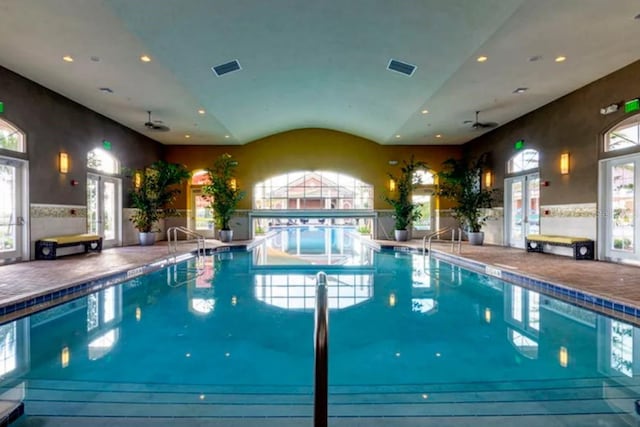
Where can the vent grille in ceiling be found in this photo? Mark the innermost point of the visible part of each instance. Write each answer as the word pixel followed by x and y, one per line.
pixel 401 67
pixel 227 68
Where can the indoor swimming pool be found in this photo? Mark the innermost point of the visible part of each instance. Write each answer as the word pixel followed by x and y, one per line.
pixel 227 340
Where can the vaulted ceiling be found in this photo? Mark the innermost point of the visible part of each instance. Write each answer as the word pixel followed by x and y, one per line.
pixel 320 64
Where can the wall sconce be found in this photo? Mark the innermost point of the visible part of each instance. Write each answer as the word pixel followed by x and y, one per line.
pixel 65 357
pixel 392 185
pixel 564 163
pixel 487 315
pixel 488 179
pixel 137 180
pixel 564 356
pixel 63 162
pixel 233 184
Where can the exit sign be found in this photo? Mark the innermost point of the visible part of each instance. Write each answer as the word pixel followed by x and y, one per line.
pixel 1 107
pixel 519 145
pixel 631 106
pixel 106 145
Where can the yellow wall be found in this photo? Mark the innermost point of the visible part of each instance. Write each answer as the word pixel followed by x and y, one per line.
pixel 311 149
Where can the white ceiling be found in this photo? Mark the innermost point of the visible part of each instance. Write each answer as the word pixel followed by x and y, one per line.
pixel 319 63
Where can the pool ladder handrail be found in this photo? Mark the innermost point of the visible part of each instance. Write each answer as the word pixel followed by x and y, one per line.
pixel 321 354
pixel 172 238
pixel 439 232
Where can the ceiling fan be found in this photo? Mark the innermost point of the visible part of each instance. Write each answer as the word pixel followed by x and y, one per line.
pixel 156 125
pixel 480 125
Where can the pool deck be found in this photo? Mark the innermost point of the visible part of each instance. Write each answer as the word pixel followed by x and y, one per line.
pixel 616 282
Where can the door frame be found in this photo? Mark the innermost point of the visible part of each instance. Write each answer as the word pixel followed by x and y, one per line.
pixel 525 177
pixel 194 192
pixel 23 253
pixel 102 178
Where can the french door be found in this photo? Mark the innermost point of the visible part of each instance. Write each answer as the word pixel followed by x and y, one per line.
pixel 104 207
pixel 13 230
pixel 620 222
pixel 522 208
pixel 201 220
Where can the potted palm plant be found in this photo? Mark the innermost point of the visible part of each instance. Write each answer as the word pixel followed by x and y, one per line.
pixel 153 195
pixel 224 194
pixel 460 181
pixel 405 212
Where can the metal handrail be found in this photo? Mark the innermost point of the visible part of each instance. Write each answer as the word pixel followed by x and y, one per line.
pixel 430 236
pixel 321 352
pixel 172 238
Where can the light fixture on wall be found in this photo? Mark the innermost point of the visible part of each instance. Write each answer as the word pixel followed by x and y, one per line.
pixel 65 357
pixel 488 179
pixel 564 357
pixel 564 163
pixel 233 184
pixel 137 179
pixel 487 315
pixel 63 162
pixel 392 185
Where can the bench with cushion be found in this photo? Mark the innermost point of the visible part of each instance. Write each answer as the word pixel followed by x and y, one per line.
pixel 47 248
pixel 582 246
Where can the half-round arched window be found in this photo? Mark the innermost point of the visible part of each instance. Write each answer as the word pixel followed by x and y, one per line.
pixel 626 134
pixel 313 191
pixel 11 138
pixel 200 177
pixel 102 161
pixel 524 161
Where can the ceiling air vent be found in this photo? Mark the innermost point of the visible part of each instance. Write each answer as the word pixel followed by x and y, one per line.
pixel 229 67
pixel 401 67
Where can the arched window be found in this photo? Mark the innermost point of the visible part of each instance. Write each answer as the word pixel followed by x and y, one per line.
pixel 200 177
pixel 626 134
pixel 102 161
pixel 11 138
pixel 523 161
pixel 313 191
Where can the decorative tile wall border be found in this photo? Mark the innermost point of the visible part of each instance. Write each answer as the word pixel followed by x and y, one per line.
pixel 33 304
pixel 57 211
pixel 582 210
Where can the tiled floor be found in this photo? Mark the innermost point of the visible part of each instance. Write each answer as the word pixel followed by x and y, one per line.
pixel 616 282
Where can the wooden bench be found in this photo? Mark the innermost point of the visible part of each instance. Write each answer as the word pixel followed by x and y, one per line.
pixel 47 248
pixel 583 247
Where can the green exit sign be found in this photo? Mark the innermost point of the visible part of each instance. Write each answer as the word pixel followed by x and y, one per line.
pixel 106 145
pixel 519 145
pixel 1 107
pixel 631 106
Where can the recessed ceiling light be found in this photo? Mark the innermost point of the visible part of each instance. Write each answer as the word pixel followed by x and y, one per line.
pixel 482 58
pixel 398 136
pixel 438 136
pixel 201 111
pixel 227 136
pixel 521 90
pixel 561 58
pixel 425 111
pixel 67 58
pixel 145 58
pixel 187 136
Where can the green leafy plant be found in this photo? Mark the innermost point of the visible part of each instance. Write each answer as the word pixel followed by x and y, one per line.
pixel 154 196
pixel 405 211
pixel 222 191
pixel 460 181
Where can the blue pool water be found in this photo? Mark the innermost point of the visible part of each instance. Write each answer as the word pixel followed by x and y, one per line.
pixel 412 342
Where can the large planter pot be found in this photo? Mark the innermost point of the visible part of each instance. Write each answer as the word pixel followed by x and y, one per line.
pixel 225 235
pixel 401 235
pixel 476 237
pixel 146 239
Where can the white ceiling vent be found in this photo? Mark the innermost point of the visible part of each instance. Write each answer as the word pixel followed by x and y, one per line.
pixel 401 67
pixel 226 68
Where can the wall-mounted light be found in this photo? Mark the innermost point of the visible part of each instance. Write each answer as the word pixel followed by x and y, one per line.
pixel 488 179
pixel 137 179
pixel 564 163
pixel 392 185
pixel 563 357
pixel 65 357
pixel 487 315
pixel 393 162
pixel 233 183
pixel 63 162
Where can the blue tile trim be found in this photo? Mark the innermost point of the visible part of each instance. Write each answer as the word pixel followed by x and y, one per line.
pixel 561 291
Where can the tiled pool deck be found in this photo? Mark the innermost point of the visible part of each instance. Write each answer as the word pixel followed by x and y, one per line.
pixel 606 287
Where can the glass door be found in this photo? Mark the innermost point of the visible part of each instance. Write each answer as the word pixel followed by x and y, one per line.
pixel 103 208
pixel 201 220
pixel 620 203
pixel 422 226
pixel 13 233
pixel 522 208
